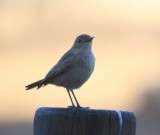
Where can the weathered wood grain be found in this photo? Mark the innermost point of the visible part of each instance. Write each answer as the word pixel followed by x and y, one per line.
pixel 68 121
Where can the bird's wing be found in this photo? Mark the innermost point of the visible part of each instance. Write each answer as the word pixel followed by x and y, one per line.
pixel 64 64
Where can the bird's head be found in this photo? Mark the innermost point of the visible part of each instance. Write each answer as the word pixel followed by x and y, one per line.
pixel 83 41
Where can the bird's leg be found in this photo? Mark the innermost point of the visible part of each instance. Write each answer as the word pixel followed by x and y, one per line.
pixel 70 98
pixel 78 105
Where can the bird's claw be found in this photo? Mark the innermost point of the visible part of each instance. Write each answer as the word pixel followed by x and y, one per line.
pixel 77 107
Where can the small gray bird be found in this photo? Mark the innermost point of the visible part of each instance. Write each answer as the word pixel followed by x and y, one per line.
pixel 73 69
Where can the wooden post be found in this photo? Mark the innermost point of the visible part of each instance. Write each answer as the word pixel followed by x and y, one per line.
pixel 69 121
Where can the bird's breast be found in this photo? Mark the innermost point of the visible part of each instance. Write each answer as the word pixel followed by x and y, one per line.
pixel 85 66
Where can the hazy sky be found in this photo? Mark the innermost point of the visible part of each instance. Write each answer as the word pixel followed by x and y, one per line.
pixel 34 34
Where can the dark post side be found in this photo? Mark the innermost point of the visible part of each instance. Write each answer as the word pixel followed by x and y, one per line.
pixel 69 121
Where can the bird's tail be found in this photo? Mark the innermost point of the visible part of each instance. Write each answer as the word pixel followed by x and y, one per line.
pixel 37 84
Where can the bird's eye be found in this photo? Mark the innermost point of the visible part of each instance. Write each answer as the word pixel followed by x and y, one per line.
pixel 79 41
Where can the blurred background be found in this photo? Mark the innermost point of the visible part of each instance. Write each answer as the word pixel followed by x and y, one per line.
pixel 34 34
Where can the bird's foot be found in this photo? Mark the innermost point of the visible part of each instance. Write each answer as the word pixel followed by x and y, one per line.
pixel 71 106
pixel 79 107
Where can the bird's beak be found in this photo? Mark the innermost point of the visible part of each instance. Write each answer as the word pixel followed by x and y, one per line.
pixel 91 39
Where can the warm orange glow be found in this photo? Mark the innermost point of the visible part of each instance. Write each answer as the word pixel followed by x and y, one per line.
pixel 35 34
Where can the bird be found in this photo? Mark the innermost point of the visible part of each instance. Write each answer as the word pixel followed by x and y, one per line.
pixel 72 70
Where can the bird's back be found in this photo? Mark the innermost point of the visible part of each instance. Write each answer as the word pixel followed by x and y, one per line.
pixel 78 74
